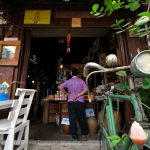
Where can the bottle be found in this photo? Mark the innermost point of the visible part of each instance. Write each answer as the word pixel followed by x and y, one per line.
pixel 0 89
pixel 5 89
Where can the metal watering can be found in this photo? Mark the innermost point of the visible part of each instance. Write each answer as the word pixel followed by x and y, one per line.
pixel 140 65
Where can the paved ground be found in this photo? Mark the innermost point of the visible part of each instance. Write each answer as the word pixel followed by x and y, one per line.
pixel 51 137
pixel 64 145
pixel 51 132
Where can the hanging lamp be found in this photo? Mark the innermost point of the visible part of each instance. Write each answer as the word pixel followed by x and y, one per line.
pixel 68 41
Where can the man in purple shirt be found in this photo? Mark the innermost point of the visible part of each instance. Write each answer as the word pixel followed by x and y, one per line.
pixel 76 88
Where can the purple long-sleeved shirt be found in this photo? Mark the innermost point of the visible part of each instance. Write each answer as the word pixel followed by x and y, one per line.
pixel 74 85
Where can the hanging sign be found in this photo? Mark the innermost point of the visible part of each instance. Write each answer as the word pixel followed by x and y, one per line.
pixel 37 17
pixel 76 22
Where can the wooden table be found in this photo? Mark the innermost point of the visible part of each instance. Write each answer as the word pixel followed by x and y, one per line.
pixel 60 103
pixel 46 109
pixel 6 104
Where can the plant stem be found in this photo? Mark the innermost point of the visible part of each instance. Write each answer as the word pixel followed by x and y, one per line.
pixel 145 106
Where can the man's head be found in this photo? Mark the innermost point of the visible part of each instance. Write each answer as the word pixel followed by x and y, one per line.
pixel 75 72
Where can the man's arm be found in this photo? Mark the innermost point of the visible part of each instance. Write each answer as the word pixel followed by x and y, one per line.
pixel 80 94
pixel 83 92
pixel 62 89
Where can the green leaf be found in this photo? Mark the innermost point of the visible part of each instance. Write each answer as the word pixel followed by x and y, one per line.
pixel 113 25
pixel 120 87
pixel 96 14
pixel 141 35
pixel 101 9
pixel 133 29
pixel 144 14
pixel 102 15
pixel 95 7
pixel 113 137
pixel 118 32
pixel 115 142
pixel 121 73
pixel 106 2
pixel 127 7
pixel 91 12
pixel 134 6
pixel 144 95
pixel 134 147
pixel 146 84
pixel 126 25
pixel 110 12
pixel 123 138
pixel 142 21
pixel 147 0
pixel 121 21
pixel 116 6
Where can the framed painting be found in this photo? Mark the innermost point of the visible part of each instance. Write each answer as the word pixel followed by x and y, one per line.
pixel 9 53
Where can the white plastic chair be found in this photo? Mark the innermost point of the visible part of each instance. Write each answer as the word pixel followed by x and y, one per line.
pixel 14 131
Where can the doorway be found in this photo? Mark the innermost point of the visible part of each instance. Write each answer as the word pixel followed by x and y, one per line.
pixel 45 55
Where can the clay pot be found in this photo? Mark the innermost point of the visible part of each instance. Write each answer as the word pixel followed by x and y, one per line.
pixel 66 129
pixel 117 119
pixel 92 125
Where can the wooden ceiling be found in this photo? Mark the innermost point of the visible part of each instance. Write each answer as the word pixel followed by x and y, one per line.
pixel 53 4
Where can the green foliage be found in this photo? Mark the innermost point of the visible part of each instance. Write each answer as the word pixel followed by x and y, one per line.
pixel 122 86
pixel 133 147
pixel 133 4
pixel 116 140
pixel 145 95
pixel 109 6
pixel 144 91
pixel 146 84
pixel 121 73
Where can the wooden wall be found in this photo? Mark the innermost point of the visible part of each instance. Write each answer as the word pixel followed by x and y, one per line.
pixel 59 19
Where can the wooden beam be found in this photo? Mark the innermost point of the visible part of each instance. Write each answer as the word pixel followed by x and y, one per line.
pixel 73 14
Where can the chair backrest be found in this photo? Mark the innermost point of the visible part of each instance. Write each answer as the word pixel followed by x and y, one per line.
pixel 22 105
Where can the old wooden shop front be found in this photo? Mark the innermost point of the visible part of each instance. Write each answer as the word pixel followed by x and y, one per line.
pixel 30 25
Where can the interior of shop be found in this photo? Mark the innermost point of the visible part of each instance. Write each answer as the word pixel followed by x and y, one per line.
pixel 50 63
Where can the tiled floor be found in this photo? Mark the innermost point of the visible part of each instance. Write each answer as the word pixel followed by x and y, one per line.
pixel 51 137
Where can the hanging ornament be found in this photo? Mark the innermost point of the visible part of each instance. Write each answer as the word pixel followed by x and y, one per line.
pixel 68 41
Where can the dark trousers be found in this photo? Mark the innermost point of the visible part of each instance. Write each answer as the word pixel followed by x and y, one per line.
pixel 77 113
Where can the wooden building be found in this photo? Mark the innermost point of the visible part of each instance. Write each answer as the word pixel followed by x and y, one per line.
pixel 61 15
pixel 50 18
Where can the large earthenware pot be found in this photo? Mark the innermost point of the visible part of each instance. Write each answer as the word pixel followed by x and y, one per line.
pixel 92 125
pixel 117 119
pixel 66 129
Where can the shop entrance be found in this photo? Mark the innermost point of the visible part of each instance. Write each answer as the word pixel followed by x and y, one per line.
pixel 47 54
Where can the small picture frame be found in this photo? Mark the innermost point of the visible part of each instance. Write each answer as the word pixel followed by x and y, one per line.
pixel 9 53
pixel 3 17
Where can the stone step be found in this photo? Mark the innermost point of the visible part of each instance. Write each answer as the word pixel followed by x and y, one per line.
pixel 64 145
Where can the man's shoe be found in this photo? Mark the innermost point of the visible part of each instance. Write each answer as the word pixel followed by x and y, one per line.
pixel 75 138
pixel 83 137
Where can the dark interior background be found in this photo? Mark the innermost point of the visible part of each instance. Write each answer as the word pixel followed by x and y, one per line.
pixel 49 50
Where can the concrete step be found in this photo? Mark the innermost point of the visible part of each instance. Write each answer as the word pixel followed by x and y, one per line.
pixel 64 145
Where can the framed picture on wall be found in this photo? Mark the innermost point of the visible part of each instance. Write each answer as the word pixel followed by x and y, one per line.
pixel 3 16
pixel 9 53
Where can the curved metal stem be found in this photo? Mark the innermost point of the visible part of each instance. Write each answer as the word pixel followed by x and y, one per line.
pixel 104 70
